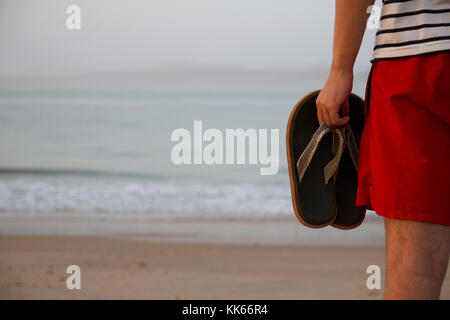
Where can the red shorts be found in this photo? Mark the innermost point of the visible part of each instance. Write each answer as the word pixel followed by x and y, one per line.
pixel 404 159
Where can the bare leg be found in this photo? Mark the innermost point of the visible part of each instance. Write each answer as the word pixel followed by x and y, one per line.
pixel 417 255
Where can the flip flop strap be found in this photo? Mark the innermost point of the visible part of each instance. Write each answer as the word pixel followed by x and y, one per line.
pixel 305 158
pixel 349 142
pixel 330 170
pixel 352 146
pixel 345 138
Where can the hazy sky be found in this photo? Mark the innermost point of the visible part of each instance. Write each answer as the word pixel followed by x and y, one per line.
pixel 121 35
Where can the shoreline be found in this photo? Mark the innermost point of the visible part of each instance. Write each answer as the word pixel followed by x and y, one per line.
pixel 264 231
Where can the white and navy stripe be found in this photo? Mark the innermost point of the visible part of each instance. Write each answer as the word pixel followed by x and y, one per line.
pixel 412 27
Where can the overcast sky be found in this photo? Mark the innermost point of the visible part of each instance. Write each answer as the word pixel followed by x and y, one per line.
pixel 129 35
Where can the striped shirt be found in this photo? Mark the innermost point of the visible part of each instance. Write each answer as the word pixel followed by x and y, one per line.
pixel 412 27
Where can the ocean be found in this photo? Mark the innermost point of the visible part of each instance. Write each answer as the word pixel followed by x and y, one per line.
pixel 100 144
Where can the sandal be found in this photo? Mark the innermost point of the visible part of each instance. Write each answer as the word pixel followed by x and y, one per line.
pixel 322 165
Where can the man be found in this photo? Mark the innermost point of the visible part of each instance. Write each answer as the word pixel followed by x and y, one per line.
pixel 404 172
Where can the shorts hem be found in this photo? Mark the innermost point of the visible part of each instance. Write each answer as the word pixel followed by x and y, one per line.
pixel 405 215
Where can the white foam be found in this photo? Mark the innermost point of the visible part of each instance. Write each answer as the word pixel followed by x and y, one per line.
pixel 37 196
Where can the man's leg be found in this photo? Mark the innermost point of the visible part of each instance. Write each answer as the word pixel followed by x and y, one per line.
pixel 417 255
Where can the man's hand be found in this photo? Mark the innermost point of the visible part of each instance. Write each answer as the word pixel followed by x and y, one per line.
pixel 349 27
pixel 332 103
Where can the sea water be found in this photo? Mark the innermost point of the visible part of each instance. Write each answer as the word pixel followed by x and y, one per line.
pixel 100 145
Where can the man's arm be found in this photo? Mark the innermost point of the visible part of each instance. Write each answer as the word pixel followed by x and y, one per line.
pixel 349 28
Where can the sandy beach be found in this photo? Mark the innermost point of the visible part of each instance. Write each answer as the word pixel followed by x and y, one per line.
pixel 34 268
pixel 167 265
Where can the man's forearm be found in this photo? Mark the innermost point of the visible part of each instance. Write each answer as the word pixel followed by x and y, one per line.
pixel 349 28
pixel 350 24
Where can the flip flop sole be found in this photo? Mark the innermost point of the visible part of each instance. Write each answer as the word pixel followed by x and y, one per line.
pixel 348 215
pixel 313 201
